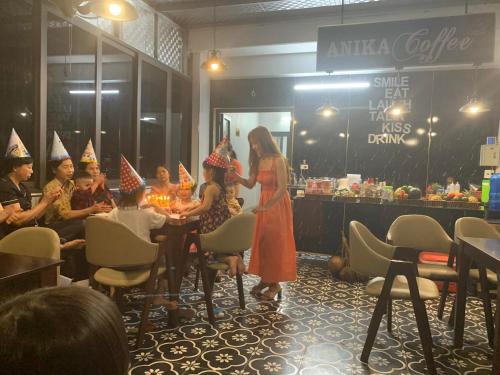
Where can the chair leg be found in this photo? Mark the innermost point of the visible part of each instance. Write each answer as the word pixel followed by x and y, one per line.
pixel 207 289
pixel 451 320
pixel 241 293
pixel 485 295
pixel 389 314
pixel 378 313
pixel 118 297
pixel 197 278
pixel 150 287
pixel 424 329
pixel 442 300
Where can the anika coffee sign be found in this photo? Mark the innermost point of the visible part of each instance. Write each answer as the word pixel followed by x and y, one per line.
pixel 431 41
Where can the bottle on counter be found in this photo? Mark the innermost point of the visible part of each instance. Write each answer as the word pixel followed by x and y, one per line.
pixel 456 189
pixel 494 201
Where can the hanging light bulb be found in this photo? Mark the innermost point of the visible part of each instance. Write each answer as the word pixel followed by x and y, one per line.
pixel 397 109
pixel 115 10
pixel 214 62
pixel 474 105
pixel 327 111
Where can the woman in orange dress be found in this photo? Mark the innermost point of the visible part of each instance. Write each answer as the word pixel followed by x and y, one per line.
pixel 273 255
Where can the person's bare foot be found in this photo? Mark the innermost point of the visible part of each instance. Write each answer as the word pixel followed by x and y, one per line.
pixel 240 265
pixel 233 265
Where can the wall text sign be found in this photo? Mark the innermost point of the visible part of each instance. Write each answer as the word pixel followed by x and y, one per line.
pixel 431 41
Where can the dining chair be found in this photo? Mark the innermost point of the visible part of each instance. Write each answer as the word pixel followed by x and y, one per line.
pixel 32 241
pixel 123 260
pixel 393 277
pixel 233 237
pixel 479 228
pixel 423 233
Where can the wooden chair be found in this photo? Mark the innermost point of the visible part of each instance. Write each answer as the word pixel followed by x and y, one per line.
pixel 234 236
pixel 123 260
pixel 393 279
pixel 423 233
pixel 479 228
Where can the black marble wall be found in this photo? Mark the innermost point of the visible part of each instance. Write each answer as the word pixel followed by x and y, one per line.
pixel 400 151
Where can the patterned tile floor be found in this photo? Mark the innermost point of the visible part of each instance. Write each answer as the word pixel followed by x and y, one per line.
pixel 318 328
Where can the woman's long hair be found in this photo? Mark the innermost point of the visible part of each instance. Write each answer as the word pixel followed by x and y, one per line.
pixel 262 136
pixel 219 176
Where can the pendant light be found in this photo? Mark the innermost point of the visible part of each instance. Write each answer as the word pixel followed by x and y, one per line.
pixel 327 110
pixel 115 10
pixel 214 62
pixel 398 108
pixel 474 105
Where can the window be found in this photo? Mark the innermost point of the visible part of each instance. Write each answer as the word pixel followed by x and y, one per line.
pixel 117 100
pixel 153 116
pixel 16 85
pixel 181 125
pixel 70 85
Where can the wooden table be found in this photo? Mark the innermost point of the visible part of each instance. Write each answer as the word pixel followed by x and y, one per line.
pixel 486 254
pixel 15 269
pixel 176 256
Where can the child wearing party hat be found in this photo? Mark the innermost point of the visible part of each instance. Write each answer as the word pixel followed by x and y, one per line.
pixel 214 210
pixel 129 212
pixel 187 186
pixel 90 164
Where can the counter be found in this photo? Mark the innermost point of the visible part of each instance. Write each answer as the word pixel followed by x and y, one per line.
pixel 318 222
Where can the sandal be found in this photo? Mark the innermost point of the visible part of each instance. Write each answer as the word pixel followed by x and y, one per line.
pixel 257 289
pixel 273 291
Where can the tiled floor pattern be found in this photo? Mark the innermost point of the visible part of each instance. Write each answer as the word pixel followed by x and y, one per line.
pixel 318 328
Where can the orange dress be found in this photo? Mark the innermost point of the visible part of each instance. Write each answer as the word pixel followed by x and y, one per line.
pixel 273 251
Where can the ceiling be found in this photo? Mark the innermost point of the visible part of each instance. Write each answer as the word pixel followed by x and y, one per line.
pixel 199 13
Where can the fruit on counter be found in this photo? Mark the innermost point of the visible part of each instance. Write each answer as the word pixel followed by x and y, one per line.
pixel 434 197
pixel 472 199
pixel 415 193
pixel 401 193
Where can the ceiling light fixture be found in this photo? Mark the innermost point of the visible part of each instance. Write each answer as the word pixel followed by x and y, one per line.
pixel 303 133
pixel 311 141
pixel 115 10
pixel 420 131
pixel 214 62
pixel 433 120
pixel 474 105
pixel 92 92
pixel 331 86
pixel 327 111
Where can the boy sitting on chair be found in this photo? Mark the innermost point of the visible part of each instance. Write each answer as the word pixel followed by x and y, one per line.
pixel 138 220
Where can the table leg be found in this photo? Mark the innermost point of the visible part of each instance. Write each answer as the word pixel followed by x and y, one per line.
pixel 48 277
pixel 171 255
pixel 496 350
pixel 463 275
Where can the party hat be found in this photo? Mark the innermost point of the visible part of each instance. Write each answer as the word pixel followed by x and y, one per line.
pixel 16 148
pixel 130 180
pixel 88 155
pixel 186 181
pixel 58 150
pixel 219 157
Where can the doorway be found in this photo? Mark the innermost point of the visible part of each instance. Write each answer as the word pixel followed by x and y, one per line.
pixel 236 126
